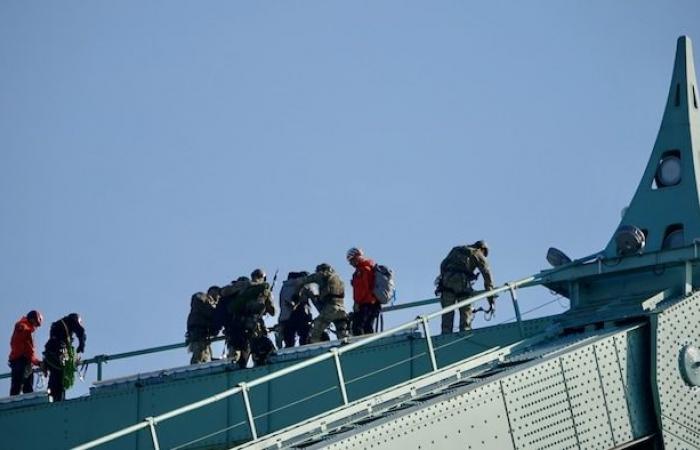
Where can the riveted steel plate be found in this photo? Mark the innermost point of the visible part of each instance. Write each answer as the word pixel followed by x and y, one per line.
pixel 474 419
pixel 678 403
pixel 539 408
pixel 587 399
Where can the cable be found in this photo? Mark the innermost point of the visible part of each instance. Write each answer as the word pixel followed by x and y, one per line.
pixel 367 375
pixel 207 436
pixel 272 411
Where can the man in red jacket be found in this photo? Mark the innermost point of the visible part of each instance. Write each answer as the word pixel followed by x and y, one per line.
pixel 367 307
pixel 22 354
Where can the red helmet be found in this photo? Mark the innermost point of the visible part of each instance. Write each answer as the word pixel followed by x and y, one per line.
pixel 35 316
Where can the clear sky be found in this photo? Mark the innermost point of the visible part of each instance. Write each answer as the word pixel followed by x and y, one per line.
pixel 151 149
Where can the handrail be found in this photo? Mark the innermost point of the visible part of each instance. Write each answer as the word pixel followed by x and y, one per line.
pixel 102 359
pixel 334 352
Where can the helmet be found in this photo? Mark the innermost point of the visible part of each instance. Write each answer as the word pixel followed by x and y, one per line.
pixel 353 253
pixel 257 274
pixel 482 245
pixel 76 317
pixel 35 316
pixel 214 290
pixel 323 267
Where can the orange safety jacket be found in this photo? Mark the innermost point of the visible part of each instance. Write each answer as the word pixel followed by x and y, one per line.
pixel 363 281
pixel 22 342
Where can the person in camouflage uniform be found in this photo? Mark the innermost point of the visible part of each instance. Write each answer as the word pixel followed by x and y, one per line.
pixel 456 279
pixel 200 324
pixel 330 303
pixel 252 301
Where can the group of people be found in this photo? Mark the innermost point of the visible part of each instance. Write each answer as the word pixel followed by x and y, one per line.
pixel 60 358
pixel 238 309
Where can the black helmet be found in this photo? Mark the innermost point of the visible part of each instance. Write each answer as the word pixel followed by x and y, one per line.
pixel 482 245
pixel 257 274
pixel 214 290
pixel 35 316
pixel 75 317
pixel 323 267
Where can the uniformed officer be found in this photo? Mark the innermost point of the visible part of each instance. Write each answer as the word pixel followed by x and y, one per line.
pixel 200 324
pixel 456 279
pixel 330 303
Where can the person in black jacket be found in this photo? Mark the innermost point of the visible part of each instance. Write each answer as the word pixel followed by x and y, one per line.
pixel 59 355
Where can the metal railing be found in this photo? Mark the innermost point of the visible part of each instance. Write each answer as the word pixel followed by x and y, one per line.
pixel 334 353
pixel 101 360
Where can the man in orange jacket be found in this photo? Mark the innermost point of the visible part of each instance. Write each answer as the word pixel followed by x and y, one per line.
pixel 22 354
pixel 367 307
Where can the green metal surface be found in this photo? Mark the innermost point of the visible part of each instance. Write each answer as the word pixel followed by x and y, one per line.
pixel 309 392
pixel 676 325
pixel 653 209
pixel 574 394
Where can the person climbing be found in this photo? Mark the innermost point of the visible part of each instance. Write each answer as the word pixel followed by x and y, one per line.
pixel 252 301
pixel 200 324
pixel 60 358
pixel 367 307
pixel 330 303
pixel 22 357
pixel 456 280
pixel 295 310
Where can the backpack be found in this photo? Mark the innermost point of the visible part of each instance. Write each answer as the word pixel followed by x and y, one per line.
pixel 202 311
pixel 250 300
pixel 384 289
pixel 457 260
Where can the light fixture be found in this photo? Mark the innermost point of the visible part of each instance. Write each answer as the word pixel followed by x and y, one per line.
pixel 556 257
pixel 629 240
pixel 669 171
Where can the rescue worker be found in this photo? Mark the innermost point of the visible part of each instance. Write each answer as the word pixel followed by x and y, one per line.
pixel 456 279
pixel 366 308
pixel 295 311
pixel 252 301
pixel 331 308
pixel 23 354
pixel 223 314
pixel 200 324
pixel 60 357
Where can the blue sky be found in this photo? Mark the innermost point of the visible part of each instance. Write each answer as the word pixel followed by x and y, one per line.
pixel 151 149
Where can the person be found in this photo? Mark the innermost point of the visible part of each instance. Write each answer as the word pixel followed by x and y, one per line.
pixel 200 324
pixel 23 354
pixel 223 313
pixel 295 311
pixel 60 357
pixel 456 278
pixel 330 305
pixel 366 308
pixel 251 302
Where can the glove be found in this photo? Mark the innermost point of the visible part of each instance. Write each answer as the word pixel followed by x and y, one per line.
pixel 80 349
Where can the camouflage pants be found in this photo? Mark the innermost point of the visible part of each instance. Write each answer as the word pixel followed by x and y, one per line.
pixel 201 351
pixel 330 313
pixel 466 316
